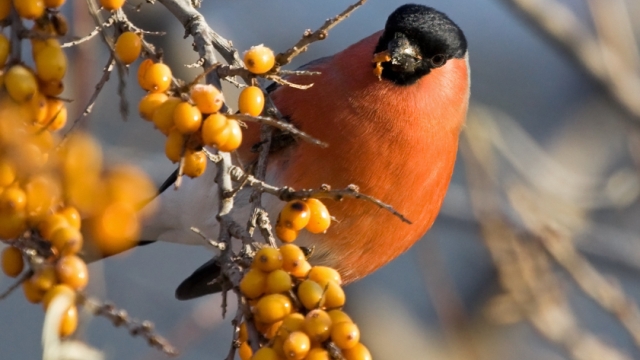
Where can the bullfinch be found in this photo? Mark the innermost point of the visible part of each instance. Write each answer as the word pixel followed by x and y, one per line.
pixel 394 135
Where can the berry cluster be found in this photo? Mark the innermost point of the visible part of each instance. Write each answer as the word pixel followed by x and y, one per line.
pixel 54 193
pixel 310 214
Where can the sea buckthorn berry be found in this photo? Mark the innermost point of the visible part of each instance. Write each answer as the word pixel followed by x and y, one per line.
pixel 72 216
pixel 5 49
pixel 142 71
pixel 50 224
pixel 111 4
pixel 20 83
pixel 286 234
pixel 187 118
pixel 67 240
pixel 29 9
pixel 317 324
pixel 278 281
pixel 265 353
pixel 5 9
pixel 53 3
pixel 345 335
pixel 296 346
pixel 12 225
pixel 31 292
pixel 295 215
pixel 158 77
pixel 334 296
pixel 322 275
pixel 69 322
pixel 253 283
pixel 358 352
pixel 55 291
pixel 243 333
pixel 150 103
pixel 318 354
pixel 215 130
pixel 272 308
pixel 235 137
pixel 51 88
pixel 319 219
pixel 56 117
pixel 163 116
pixel 45 278
pixel 244 351
pixel 174 145
pixel 39 107
pixel 43 192
pixel 302 270
pixel 129 185
pixel 13 199
pixel 207 98
pixel 7 173
pixel 251 101
pixel 12 261
pixel 259 59
pixel 128 47
pixel 82 155
pixel 51 63
pixel 195 163
pixel 267 259
pixel 115 229
pixel 310 294
pixel 72 270
pixel 292 322
pixel 338 316
pixel 292 256
pixel 269 330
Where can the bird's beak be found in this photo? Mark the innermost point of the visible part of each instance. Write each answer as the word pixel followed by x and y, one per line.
pixel 405 57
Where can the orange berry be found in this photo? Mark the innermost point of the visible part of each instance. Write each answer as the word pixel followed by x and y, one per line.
pixel 338 316
pixel 318 354
pixel 51 88
pixel 358 352
pixel 195 163
pixel 82 156
pixel 265 353
pixel 272 308
pixel 253 283
pixel 334 296
pixel 72 216
pixel 50 224
pixel 207 98
pixel 69 322
pixel 269 330
pixel 286 234
pixel 51 63
pixel 128 47
pixel 20 83
pixel 292 322
pixel 215 130
pixel 235 137
pixel 243 333
pixel 67 240
pixel 115 229
pixel 174 145
pixel 295 215
pixel 317 324
pixel 55 291
pixel 7 173
pixel 296 346
pixel 302 270
pixel 5 49
pixel 345 335
pixel 251 101
pixel 45 278
pixel 111 4
pixel 13 199
pixel 12 225
pixel 129 185
pixel 43 192
pixel 142 71
pixel 39 107
pixel 319 219
pixel 163 116
pixel 245 351
pixel 310 294
pixel 29 9
pixel 278 281
pixel 72 270
pixel 12 261
pixel 267 259
pixel 292 256
pixel 158 77
pixel 259 59
pixel 187 118
pixel 31 292
pixel 56 117
pixel 5 9
pixel 150 103
pixel 322 275
pixel 54 3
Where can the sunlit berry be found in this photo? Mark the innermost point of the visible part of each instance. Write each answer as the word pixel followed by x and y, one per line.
pixel 12 261
pixel 267 259
pixel 128 47
pixel 358 352
pixel 5 49
pixel 295 215
pixel 292 256
pixel 253 283
pixel 67 240
pixel 292 322
pixel 111 4
pixel 244 351
pixel 115 229
pixel 12 225
pixel 259 59
pixel 272 308
pixel 51 63
pixel 72 270
pixel 72 216
pixel 142 71
pixel 278 281
pixel 29 9
pixel 174 145
pixel 129 185
pixel 69 322
pixel 20 83
pixel 195 163
pixel 286 234
pixel 187 118
pixel 51 223
pixel 338 316
pixel 265 353
pixel 302 270
pixel 150 103
pixel 163 116
pixel 158 77
pixel 56 117
pixel 59 289
pixel 43 192
pixel 345 335
pixel 243 333
pixel 82 156
pixel 13 199
pixel 319 219
pixel 45 278
pixel 310 294
pixel 318 354
pixel 269 330
pixel 251 101
pixel 235 137
pixel 7 172
pixel 322 275
pixel 207 98
pixel 296 346
pixel 215 130
pixel 317 324
pixel 334 296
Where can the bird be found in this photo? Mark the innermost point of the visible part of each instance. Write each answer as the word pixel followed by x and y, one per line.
pixel 392 128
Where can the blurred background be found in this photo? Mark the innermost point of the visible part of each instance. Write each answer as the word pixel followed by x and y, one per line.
pixel 536 253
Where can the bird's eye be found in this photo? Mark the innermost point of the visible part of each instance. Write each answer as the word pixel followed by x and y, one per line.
pixel 438 60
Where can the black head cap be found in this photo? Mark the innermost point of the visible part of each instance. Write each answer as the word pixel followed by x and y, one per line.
pixel 419 39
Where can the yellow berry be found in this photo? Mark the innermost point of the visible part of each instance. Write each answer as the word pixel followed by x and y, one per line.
pixel 187 118
pixel 243 333
pixel 163 116
pixel 245 351
pixel 296 346
pixel 129 185
pixel 7 172
pixel 72 216
pixel 334 296
pixel 294 215
pixel 310 294
pixel 265 353
pixel 358 352
pixel 253 283
pixel 345 335
pixel 150 103
pixel 29 9
pixel 286 234
pixel 292 256
pixel 51 223
pixel 142 71
pixel 272 308
pixel 43 192
pixel 115 229
pixel 67 240
pixel 292 322
pixel 45 278
pixel 251 101
pixel 51 63
pixel 72 270
pixel 317 324
pixel 56 117
pixel 31 292
pixel 235 137
pixel 111 4
pixel 5 49
pixel 338 316
pixel 322 275
pixel 13 199
pixel 158 77
pixel 268 259
pixel 319 219
pixel 12 261
pixel 318 354
pixel 215 130
pixel 128 47
pixel 302 270
pixel 259 59
pixel 278 281
pixel 174 145
pixel 69 322
pixel 207 98
pixel 82 155
pixel 269 330
pixel 51 88
pixel 12 225
pixel 195 163
pixel 55 291
pixel 20 83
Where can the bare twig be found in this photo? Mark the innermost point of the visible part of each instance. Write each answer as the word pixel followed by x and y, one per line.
pixel 285 126
pixel 16 284
pixel 110 21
